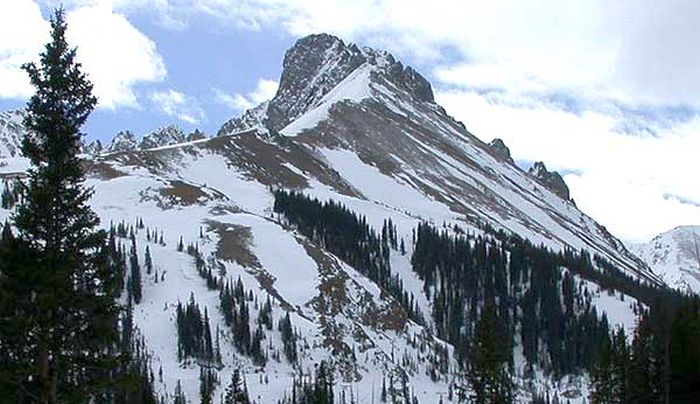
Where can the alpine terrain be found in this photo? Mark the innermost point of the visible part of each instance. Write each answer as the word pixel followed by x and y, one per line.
pixel 349 232
pixel 675 256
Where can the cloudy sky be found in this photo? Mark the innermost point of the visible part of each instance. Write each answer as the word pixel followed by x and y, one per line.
pixel 606 92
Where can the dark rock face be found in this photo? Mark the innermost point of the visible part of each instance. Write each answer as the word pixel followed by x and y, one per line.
pixel 123 141
pixel 254 118
pixel 411 81
pixel 166 136
pixel 93 148
pixel 552 180
pixel 499 148
pixel 311 69
pixel 196 135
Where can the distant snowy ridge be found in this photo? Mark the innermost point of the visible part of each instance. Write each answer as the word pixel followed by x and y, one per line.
pixel 168 135
pixel 675 256
pixel 11 133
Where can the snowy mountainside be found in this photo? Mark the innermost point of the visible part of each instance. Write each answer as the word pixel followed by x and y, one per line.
pixel 674 256
pixel 356 324
pixel 11 133
pixel 375 122
pixel 353 126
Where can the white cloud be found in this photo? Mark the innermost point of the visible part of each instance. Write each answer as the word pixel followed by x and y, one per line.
pixel 623 181
pixel 178 105
pixel 115 54
pixel 641 50
pixel 23 31
pixel 264 91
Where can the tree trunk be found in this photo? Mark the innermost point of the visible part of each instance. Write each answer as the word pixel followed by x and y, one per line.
pixel 44 377
pixel 54 383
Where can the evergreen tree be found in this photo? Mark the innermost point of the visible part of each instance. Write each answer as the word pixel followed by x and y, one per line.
pixel 610 377
pixel 180 245
pixel 601 376
pixel 323 386
pixel 236 392
pixel 288 338
pixel 645 373
pixel 620 368
pixel 57 330
pixel 148 262
pixel 488 372
pixel 194 334
pixel 135 275
pixel 684 355
pixel 179 395
pixel 207 384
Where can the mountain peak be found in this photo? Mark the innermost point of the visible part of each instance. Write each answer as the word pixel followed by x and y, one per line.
pixel 312 68
pixel 165 136
pixel 675 256
pixel 123 141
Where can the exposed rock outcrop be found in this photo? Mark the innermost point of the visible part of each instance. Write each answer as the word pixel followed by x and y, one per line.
pixel 550 179
pixel 499 148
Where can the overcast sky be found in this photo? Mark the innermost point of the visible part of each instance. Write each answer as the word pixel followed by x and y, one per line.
pixel 606 92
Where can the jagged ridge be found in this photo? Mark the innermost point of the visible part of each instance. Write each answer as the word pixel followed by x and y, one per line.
pixel 311 69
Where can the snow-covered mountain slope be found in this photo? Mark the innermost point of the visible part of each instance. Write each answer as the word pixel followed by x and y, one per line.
pixel 674 256
pixel 355 126
pixel 198 193
pixel 375 124
pixel 11 133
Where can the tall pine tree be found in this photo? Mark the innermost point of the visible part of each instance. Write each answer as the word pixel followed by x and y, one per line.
pixel 64 312
pixel 236 392
pixel 488 371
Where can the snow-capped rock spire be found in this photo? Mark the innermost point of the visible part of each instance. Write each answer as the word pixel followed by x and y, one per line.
pixel 314 66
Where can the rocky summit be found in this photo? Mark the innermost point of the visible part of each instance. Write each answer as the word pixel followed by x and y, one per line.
pixel 312 68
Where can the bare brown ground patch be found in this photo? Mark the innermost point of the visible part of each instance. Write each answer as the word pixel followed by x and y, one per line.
pixel 102 170
pixel 269 162
pixel 184 193
pixel 234 244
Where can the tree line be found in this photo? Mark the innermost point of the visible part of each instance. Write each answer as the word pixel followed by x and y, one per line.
pixel 349 237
